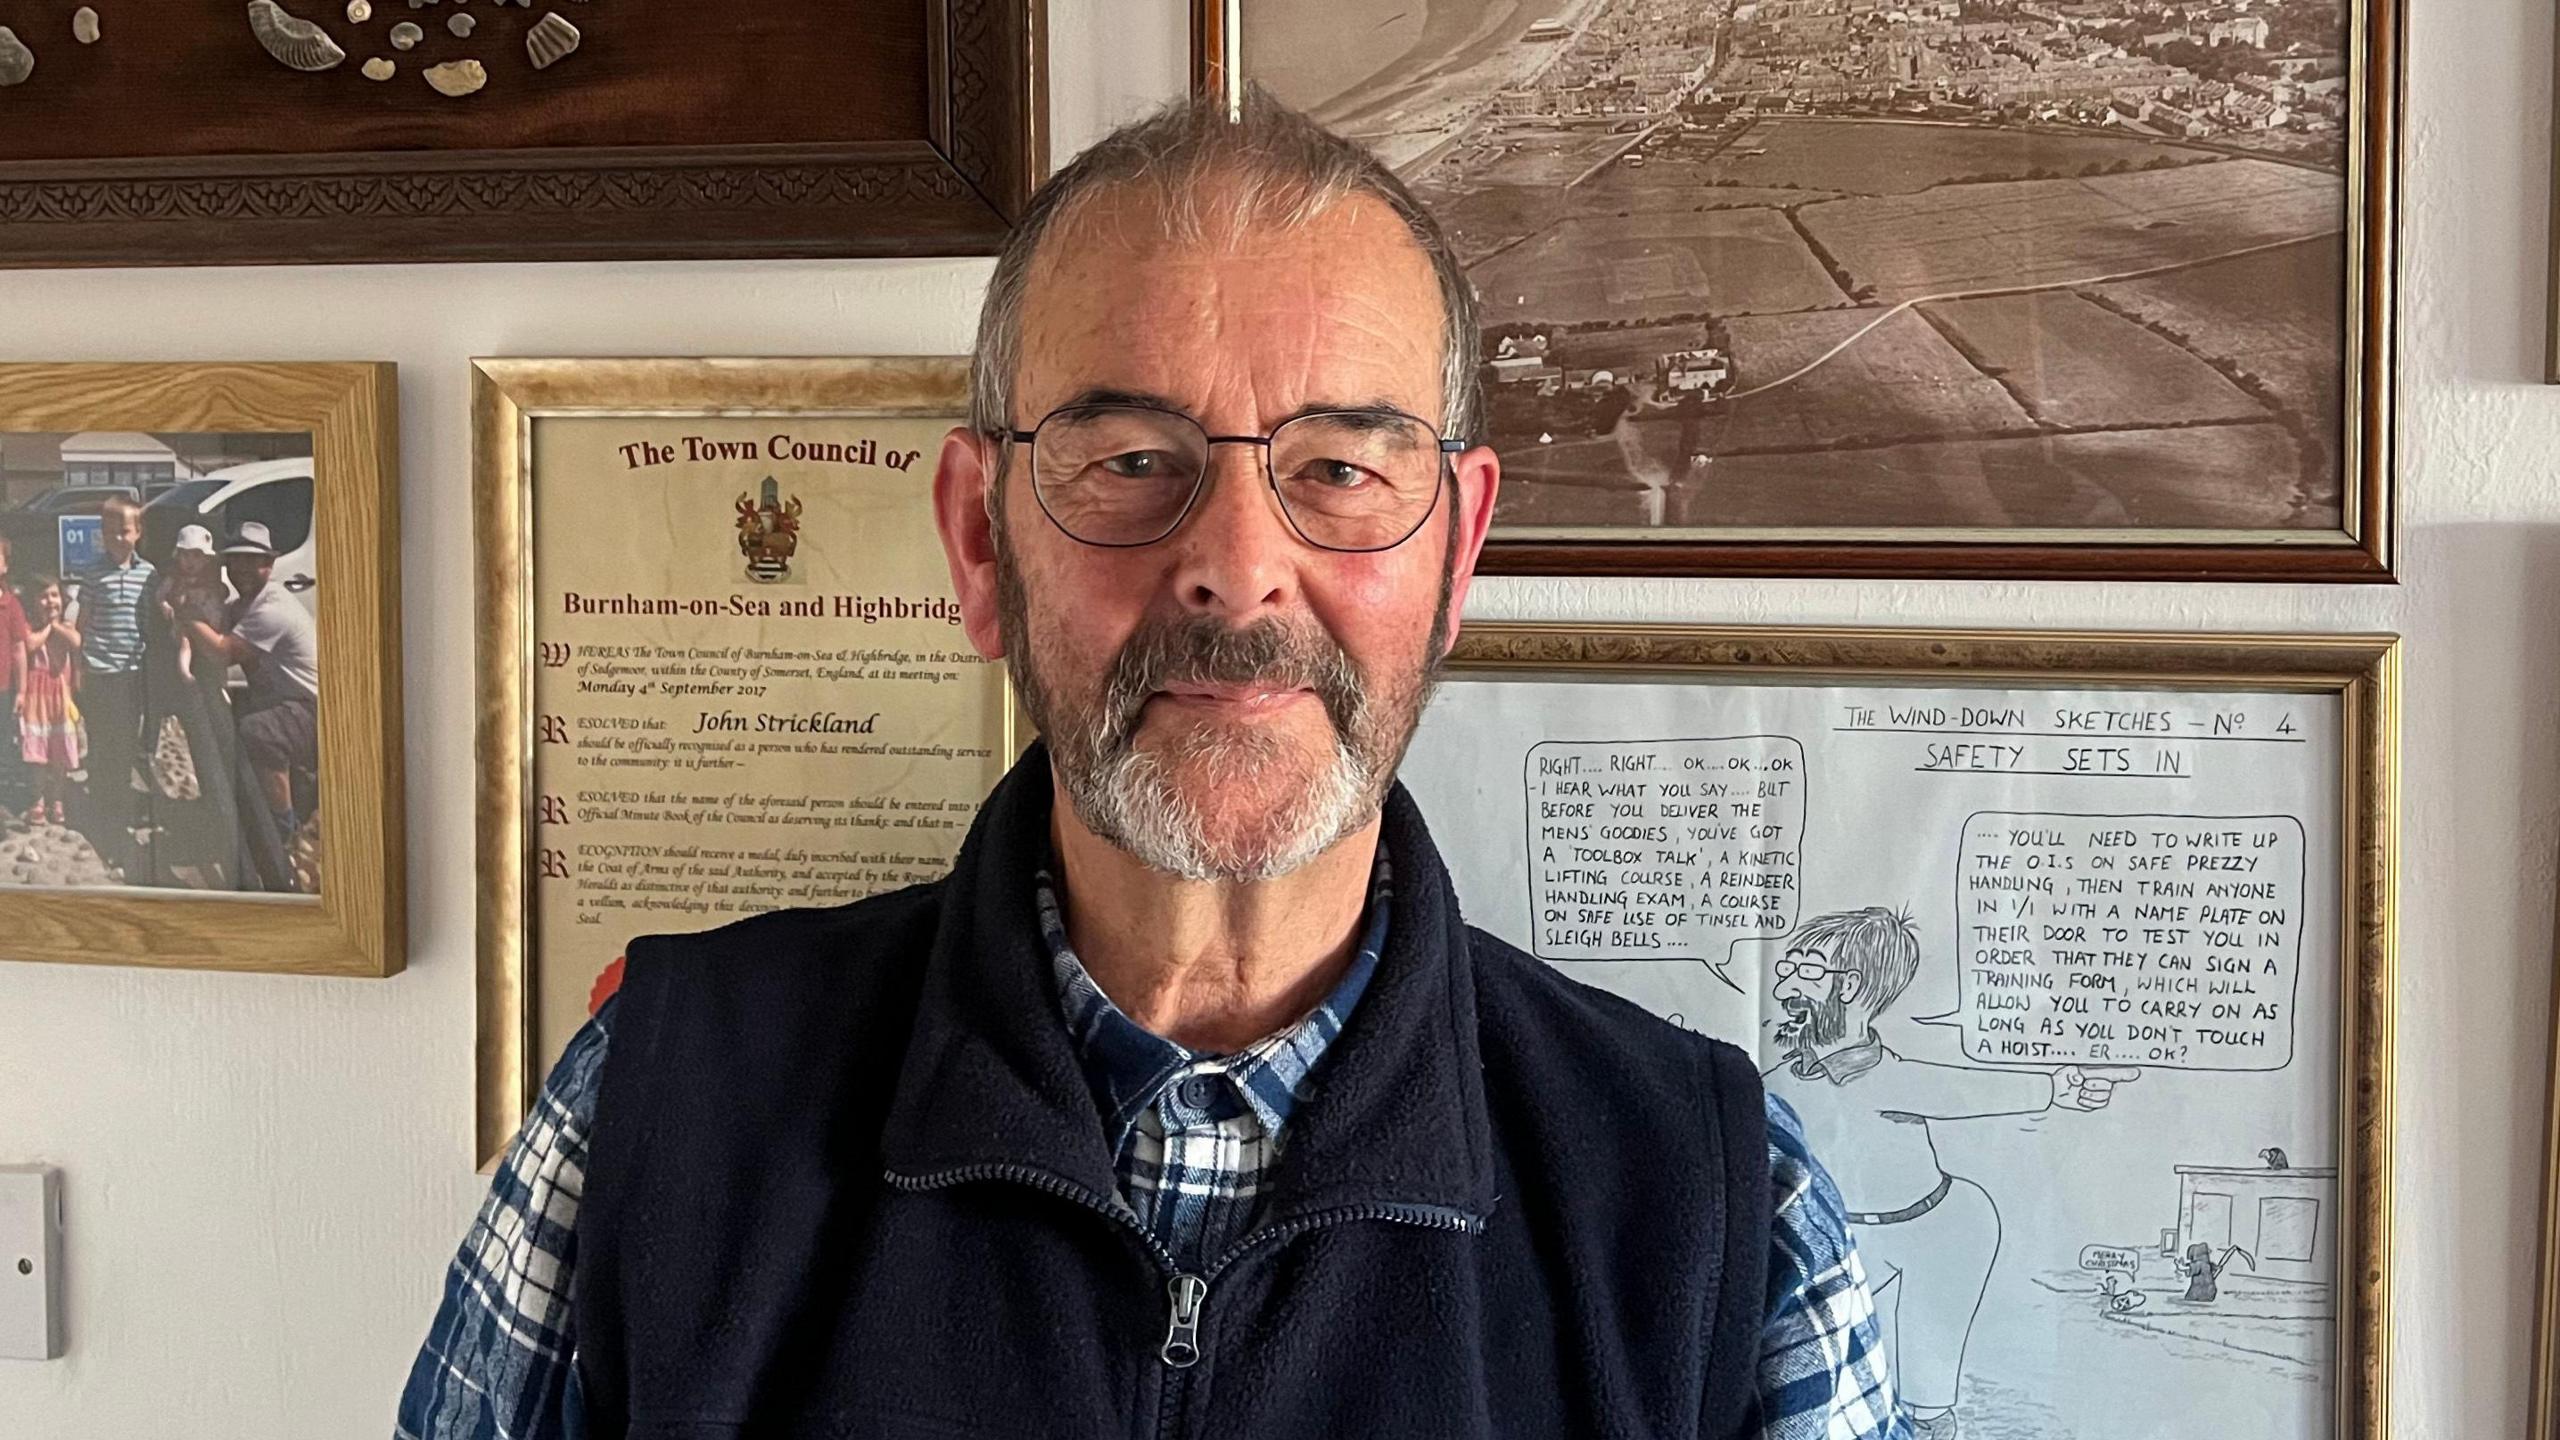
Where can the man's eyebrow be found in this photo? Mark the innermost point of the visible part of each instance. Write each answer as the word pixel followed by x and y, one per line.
pixel 1380 409
pixel 1105 395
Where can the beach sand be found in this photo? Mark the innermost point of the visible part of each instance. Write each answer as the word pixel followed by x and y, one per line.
pixel 1449 58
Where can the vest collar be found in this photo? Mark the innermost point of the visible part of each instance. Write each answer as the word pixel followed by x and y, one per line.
pixel 1396 1111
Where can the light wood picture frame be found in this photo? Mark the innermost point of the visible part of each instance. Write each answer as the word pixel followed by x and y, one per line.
pixel 2209 728
pixel 356 924
pixel 763 505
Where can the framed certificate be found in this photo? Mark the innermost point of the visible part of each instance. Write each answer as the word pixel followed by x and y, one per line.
pixel 721 666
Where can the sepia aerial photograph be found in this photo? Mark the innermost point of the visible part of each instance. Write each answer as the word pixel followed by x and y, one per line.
pixel 1829 265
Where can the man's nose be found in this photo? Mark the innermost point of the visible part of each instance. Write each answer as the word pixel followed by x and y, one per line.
pixel 1235 554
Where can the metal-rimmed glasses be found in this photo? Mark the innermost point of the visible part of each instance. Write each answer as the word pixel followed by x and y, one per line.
pixel 1811 972
pixel 1127 475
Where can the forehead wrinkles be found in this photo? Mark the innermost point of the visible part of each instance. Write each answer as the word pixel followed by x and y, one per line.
pixel 1225 282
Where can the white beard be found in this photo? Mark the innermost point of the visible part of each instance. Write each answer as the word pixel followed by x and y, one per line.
pixel 1131 800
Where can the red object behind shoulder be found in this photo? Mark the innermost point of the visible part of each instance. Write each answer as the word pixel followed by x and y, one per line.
pixel 606 984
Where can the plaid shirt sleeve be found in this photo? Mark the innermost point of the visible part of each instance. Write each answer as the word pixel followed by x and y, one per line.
pixel 1822 1361
pixel 497 1363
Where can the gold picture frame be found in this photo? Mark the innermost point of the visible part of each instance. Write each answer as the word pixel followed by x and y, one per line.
pixel 511 399
pixel 2362 672
pixel 356 925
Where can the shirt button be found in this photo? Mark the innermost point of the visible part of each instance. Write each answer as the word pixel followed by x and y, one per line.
pixel 1197 1092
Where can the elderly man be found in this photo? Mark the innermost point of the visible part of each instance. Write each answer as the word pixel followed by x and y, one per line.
pixel 1187 1104
pixel 274 641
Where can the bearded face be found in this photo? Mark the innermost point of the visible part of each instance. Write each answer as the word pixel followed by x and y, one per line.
pixel 1198 793
pixel 1815 1024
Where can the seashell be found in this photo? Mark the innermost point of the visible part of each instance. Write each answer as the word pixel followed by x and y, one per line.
pixel 460 25
pixel 84 25
pixel 457 77
pixel 379 68
pixel 359 11
pixel 550 38
pixel 405 34
pixel 17 62
pixel 297 42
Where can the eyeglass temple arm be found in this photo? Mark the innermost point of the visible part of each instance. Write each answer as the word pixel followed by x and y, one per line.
pixel 1448 446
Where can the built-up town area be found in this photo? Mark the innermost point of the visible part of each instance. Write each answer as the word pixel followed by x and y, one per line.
pixel 1668 204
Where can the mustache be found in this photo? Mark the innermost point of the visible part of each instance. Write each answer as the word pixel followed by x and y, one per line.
pixel 1202 650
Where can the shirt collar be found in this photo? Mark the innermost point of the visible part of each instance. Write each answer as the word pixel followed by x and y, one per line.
pixel 1128 1066
pixel 1842 1065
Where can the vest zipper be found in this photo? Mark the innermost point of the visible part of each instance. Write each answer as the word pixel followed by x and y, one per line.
pixel 1182 1332
pixel 1042 1180
pixel 1429 1217
pixel 1187 1293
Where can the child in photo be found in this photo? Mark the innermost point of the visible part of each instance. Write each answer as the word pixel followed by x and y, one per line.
pixel 13 642
pixel 192 592
pixel 50 739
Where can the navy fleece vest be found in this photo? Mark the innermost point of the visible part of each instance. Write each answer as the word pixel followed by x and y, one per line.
pixel 847 1181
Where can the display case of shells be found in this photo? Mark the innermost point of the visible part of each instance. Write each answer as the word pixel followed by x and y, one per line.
pixel 314 46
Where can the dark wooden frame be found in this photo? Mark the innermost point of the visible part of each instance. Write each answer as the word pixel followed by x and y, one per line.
pixel 2362 551
pixel 953 189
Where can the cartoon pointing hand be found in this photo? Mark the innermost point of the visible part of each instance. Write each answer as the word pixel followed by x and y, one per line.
pixel 2077 1087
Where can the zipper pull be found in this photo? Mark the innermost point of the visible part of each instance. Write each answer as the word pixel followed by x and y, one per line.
pixel 1182 1336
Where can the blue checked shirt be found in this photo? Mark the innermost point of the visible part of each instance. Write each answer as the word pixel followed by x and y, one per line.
pixel 1192 1137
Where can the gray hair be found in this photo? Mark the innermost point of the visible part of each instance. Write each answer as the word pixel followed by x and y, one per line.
pixel 1286 168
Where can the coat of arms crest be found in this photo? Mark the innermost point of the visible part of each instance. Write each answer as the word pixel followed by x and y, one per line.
pixel 769 533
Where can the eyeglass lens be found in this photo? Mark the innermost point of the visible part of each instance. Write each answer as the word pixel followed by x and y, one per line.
pixel 1125 475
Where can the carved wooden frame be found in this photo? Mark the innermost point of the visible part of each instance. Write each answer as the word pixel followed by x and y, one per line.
pixel 954 189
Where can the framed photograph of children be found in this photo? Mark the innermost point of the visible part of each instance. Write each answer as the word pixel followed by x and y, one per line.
pixel 1958 288
pixel 200 666
pixel 721 666
pixel 2073 953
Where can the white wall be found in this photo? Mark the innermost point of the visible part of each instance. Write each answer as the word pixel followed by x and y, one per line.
pixel 265 1176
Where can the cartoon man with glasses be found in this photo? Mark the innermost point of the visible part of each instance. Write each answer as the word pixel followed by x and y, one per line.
pixel 1928 1238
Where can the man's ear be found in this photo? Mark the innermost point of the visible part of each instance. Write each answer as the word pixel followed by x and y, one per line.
pixel 1852 985
pixel 1479 477
pixel 964 499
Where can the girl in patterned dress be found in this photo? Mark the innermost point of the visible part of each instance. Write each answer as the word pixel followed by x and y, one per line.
pixel 50 738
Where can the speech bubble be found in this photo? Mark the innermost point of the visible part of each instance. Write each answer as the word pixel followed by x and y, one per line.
pixel 1663 849
pixel 2156 940
pixel 2108 1257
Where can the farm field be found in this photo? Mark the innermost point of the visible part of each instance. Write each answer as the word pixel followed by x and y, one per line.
pixel 2074 364
pixel 1582 481
pixel 1875 157
pixel 2276 316
pixel 1899 381
pixel 1481 222
pixel 1630 351
pixel 1652 266
pixel 2206 476
pixel 1543 159
pixel 2047 232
